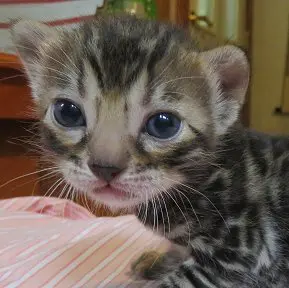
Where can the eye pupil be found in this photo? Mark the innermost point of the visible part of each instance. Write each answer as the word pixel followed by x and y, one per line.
pixel 67 114
pixel 163 125
pixel 163 122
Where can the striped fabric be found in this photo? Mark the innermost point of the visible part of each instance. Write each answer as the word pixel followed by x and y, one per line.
pixel 48 242
pixel 64 13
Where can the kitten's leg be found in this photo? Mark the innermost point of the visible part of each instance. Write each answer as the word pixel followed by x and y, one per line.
pixel 189 275
pixel 198 271
pixel 152 265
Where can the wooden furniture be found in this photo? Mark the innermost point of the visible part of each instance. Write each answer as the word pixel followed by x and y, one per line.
pixel 14 90
pixel 14 119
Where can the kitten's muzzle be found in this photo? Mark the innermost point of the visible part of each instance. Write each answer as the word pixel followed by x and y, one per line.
pixel 106 173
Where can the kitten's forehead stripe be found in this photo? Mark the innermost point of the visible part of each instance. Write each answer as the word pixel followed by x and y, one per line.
pixel 125 107
pixel 159 50
pixel 80 82
pixel 156 55
pixel 122 62
pixel 96 68
pixel 119 49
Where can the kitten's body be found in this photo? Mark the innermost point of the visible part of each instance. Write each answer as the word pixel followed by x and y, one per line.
pixel 219 191
pixel 241 237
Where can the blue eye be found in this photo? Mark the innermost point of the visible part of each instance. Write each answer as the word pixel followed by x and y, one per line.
pixel 163 125
pixel 67 114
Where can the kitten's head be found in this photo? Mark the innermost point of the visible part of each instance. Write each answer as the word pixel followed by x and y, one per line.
pixel 129 108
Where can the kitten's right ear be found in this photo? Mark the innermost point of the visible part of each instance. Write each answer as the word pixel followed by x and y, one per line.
pixel 28 37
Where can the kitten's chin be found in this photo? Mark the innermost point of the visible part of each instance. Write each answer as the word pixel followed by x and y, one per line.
pixel 114 198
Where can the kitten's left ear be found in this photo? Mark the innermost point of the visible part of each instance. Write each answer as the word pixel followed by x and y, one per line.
pixel 229 76
pixel 29 38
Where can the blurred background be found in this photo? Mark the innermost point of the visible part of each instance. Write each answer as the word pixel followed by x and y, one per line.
pixel 259 27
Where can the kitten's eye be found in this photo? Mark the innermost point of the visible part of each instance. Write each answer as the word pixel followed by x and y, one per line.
pixel 67 114
pixel 163 125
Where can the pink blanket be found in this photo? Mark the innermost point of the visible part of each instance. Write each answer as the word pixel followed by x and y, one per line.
pixel 47 242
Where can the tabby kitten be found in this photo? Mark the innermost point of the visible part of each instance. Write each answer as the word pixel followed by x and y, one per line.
pixel 136 117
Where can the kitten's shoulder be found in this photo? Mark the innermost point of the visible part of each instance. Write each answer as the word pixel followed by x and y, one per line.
pixel 274 139
pixel 279 144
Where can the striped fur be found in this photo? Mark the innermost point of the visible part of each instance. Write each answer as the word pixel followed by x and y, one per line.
pixel 218 191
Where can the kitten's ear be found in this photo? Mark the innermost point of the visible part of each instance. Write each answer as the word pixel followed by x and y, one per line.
pixel 28 37
pixel 228 71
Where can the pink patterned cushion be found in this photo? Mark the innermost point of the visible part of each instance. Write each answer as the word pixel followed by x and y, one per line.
pixel 48 242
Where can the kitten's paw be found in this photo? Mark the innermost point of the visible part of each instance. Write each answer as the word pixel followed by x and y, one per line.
pixel 148 265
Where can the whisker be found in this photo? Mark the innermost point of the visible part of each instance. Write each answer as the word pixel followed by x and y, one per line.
pixel 62 196
pixel 26 175
pixel 177 93
pixel 183 194
pixel 44 177
pixel 73 194
pixel 63 80
pixel 183 214
pixel 180 78
pixel 157 216
pixel 139 216
pixel 169 224
pixel 63 190
pixel 58 72
pixel 203 195
pixel 10 62
pixel 85 200
pixel 67 195
pixel 154 213
pixel 53 187
pixel 50 57
pixel 68 192
pixel 11 77
pixel 83 197
pixel 162 214
pixel 70 60
pixel 158 79
pixel 146 206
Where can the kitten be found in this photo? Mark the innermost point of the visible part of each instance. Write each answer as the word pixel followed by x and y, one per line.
pixel 136 117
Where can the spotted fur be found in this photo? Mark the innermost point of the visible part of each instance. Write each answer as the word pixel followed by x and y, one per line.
pixel 218 191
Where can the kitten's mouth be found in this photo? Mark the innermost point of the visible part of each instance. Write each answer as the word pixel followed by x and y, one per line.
pixel 109 191
pixel 114 197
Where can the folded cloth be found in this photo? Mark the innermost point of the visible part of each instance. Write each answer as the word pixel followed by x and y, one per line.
pixel 49 242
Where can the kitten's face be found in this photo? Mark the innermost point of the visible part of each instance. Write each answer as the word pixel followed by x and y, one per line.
pixel 129 109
